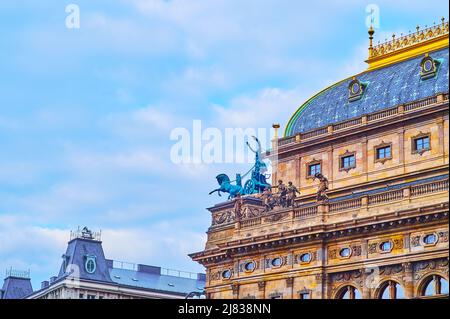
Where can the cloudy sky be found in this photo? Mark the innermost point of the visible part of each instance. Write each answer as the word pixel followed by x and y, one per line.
pixel 86 114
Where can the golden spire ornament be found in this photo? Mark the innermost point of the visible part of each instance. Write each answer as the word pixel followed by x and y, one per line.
pixel 371 33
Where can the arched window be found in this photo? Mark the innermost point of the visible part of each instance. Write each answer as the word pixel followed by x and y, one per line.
pixel 391 290
pixel 349 292
pixel 434 285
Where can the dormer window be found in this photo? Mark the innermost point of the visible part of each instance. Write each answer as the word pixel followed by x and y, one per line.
pixel 356 89
pixel 428 67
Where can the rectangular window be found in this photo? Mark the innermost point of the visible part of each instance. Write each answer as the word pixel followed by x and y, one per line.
pixel 348 162
pixel 81 296
pixel 422 143
pixel 90 296
pixel 384 152
pixel 313 169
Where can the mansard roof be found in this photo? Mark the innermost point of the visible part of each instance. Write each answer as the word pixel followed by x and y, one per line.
pixel 16 288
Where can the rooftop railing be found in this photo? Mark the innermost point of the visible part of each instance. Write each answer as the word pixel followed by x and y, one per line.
pixel 85 233
pixel 412 38
pixel 163 271
pixel 25 274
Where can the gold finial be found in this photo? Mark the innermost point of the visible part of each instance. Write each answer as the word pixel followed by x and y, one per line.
pixel 418 28
pixel 371 33
pixel 443 20
pixel 393 36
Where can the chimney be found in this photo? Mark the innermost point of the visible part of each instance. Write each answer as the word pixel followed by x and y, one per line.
pixel 149 269
pixel 53 279
pixel 201 277
pixel 45 284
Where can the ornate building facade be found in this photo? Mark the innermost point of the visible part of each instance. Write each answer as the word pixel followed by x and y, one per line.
pixel 370 157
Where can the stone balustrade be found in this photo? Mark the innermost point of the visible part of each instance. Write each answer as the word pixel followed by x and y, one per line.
pixel 334 207
pixel 364 120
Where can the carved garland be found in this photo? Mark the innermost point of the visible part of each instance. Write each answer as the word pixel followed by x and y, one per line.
pixel 424 268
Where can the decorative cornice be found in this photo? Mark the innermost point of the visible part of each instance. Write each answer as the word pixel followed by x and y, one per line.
pixel 405 218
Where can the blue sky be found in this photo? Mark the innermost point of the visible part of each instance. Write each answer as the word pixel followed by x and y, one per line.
pixel 86 114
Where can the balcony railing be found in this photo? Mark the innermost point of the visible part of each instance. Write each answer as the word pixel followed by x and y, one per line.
pixel 346 124
pixel 382 114
pixel 385 197
pixel 344 205
pixel 363 201
pixel 429 188
pixel 306 212
pixel 364 120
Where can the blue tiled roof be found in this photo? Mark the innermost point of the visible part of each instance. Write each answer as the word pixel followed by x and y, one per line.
pixel 157 282
pixel 386 87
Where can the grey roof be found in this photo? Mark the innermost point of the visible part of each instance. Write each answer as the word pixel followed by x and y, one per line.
pixel 16 288
pixel 386 87
pixel 158 282
pixel 77 251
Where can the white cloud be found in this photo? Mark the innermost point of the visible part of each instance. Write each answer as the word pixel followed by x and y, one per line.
pixel 164 244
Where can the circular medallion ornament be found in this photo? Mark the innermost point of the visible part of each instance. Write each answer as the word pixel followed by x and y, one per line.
pixel 90 264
